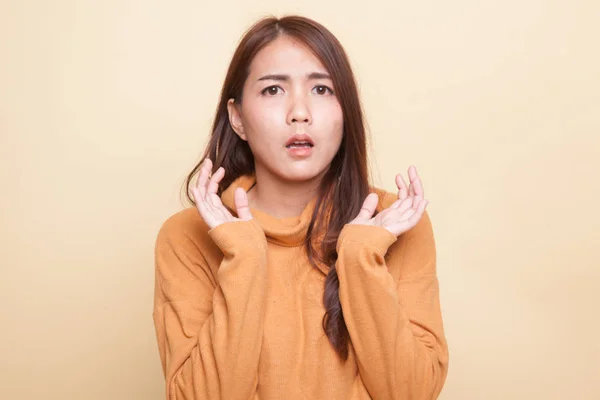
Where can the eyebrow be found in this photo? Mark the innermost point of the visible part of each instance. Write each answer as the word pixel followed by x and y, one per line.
pixel 281 77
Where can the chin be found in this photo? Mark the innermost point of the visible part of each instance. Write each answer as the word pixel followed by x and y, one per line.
pixel 300 175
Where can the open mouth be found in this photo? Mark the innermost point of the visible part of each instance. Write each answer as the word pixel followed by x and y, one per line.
pixel 299 145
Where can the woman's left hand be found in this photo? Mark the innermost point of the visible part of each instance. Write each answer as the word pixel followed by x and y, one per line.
pixel 403 214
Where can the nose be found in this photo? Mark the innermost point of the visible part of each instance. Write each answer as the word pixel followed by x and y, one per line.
pixel 299 111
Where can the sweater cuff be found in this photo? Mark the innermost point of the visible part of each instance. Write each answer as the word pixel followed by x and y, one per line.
pixel 377 238
pixel 239 235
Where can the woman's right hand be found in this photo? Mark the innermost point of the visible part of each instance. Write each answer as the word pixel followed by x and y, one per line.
pixel 208 203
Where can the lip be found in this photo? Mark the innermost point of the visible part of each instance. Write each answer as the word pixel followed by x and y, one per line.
pixel 299 152
pixel 300 138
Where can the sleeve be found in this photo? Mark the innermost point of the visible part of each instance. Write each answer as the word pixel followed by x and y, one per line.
pixel 209 331
pixel 394 322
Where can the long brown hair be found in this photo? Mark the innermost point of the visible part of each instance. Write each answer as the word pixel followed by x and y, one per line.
pixel 345 184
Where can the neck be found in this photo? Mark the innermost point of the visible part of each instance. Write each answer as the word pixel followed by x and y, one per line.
pixel 281 198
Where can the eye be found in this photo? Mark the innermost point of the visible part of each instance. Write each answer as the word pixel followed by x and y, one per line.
pixel 271 90
pixel 322 90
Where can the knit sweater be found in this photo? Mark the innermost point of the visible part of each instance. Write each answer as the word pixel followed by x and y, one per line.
pixel 238 310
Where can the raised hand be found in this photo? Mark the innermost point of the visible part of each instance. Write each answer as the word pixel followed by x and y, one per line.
pixel 208 202
pixel 403 214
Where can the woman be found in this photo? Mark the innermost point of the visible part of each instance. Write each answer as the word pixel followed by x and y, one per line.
pixel 293 278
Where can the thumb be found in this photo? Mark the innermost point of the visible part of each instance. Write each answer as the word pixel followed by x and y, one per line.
pixel 241 204
pixel 368 208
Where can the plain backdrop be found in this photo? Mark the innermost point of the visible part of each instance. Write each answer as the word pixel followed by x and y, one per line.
pixel 106 105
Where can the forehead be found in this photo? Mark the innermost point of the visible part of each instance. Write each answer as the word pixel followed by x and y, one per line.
pixel 285 55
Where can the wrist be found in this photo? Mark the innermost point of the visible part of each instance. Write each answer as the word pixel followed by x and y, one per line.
pixel 355 236
pixel 241 236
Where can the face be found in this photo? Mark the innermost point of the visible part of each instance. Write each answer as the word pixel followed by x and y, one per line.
pixel 289 92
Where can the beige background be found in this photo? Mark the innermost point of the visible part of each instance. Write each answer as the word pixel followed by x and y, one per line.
pixel 105 106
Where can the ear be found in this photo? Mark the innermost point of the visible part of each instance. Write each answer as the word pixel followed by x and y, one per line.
pixel 235 119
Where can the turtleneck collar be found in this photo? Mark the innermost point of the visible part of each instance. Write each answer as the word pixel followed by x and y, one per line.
pixel 288 232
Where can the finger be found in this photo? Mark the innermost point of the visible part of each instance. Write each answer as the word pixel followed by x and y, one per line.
pixel 241 204
pixel 407 214
pixel 406 204
pixel 219 210
pixel 203 176
pixel 403 222
pixel 196 194
pixel 202 202
pixel 396 204
pixel 413 219
pixel 402 188
pixel 202 198
pixel 368 207
pixel 417 183
pixel 203 208
pixel 411 176
pixel 214 200
pixel 411 190
pixel 213 184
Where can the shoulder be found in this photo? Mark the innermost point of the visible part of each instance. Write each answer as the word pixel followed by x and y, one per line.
pixel 184 248
pixel 184 228
pixel 183 258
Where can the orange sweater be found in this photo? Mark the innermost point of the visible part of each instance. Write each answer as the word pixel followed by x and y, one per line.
pixel 238 310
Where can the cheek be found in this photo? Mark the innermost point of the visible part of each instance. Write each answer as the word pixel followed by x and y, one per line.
pixel 337 129
pixel 334 122
pixel 263 121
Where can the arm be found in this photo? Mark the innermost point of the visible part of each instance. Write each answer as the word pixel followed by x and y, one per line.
pixel 395 322
pixel 210 330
